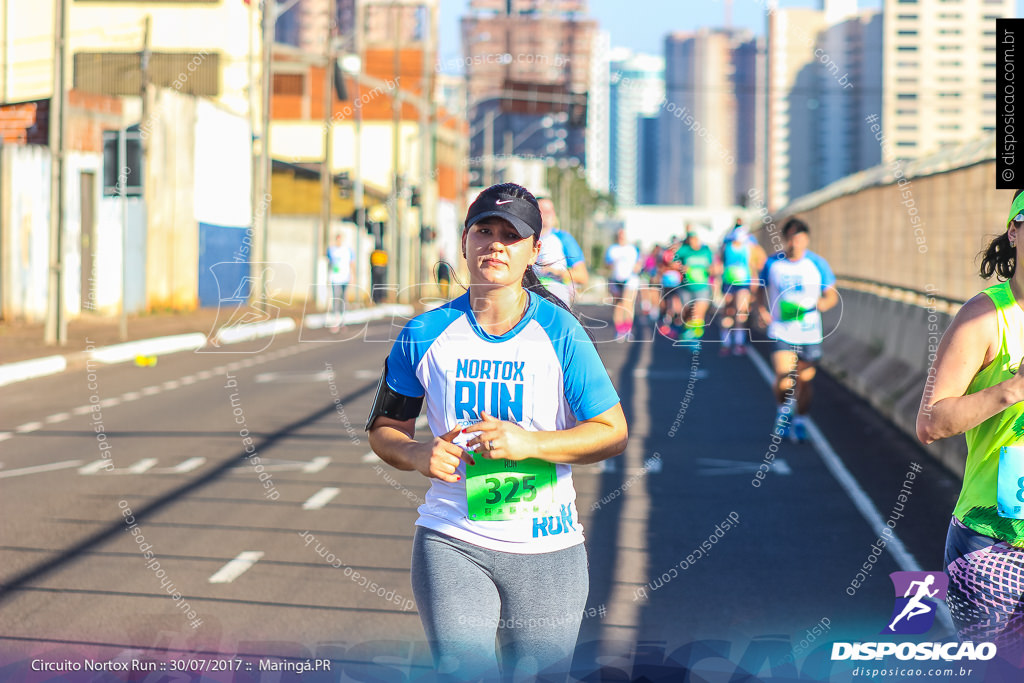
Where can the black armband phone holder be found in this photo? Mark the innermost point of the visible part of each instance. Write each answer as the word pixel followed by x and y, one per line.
pixel 390 403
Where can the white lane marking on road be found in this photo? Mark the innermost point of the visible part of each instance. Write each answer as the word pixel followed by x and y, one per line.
pixel 27 427
pixel 293 377
pixel 56 417
pixel 141 466
pixel 81 410
pixel 853 489
pixel 110 402
pixel 367 374
pixel 5 435
pixel 150 390
pixel 204 374
pixel 236 567
pixel 94 467
pixel 188 465
pixel 171 384
pixel 188 379
pixel 131 396
pixel 668 374
pixel 320 498
pixel 317 464
pixel 40 468
pixel 718 466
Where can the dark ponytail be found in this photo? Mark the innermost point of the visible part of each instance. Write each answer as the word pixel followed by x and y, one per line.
pixel 532 283
pixel 1000 259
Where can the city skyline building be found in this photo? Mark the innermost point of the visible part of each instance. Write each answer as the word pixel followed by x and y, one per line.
pixel 939 71
pixel 637 88
pixel 708 155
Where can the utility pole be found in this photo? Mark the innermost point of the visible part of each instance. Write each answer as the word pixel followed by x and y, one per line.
pixel 395 216
pixel 56 330
pixel 261 215
pixel 122 180
pixel 426 152
pixel 357 151
pixel 326 176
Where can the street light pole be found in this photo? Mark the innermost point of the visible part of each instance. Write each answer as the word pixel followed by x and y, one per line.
pixel 326 175
pixel 56 331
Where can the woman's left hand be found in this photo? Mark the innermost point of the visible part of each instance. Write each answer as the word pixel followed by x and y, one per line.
pixel 501 440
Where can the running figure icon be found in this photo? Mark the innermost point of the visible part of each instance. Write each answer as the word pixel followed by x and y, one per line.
pixel 915 606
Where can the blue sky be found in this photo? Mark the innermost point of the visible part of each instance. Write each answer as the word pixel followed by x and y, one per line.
pixel 642 24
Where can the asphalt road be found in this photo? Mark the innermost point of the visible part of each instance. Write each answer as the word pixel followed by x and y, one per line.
pixel 304 556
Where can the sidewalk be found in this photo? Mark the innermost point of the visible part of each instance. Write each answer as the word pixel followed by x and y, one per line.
pixel 22 343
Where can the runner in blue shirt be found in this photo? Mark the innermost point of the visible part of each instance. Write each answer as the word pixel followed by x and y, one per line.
pixel 798 285
pixel 741 256
pixel 516 393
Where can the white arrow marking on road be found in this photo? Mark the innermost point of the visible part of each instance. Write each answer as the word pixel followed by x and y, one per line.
pixel 40 468
pixel 320 498
pixel 719 466
pixel 861 500
pixel 316 464
pixel 95 466
pixel 236 567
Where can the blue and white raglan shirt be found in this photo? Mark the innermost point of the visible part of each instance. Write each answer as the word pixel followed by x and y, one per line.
pixel 544 374
pixel 796 286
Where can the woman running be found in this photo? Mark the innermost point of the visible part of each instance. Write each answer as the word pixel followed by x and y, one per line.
pixel 978 391
pixel 515 394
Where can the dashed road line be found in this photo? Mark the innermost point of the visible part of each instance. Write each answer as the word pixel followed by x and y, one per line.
pixel 94 467
pixel 142 466
pixel 320 498
pixel 317 464
pixel 27 427
pixel 236 567
pixel 40 468
pixel 56 417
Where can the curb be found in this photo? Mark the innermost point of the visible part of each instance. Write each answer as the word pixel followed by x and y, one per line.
pixel 20 371
pixel 156 346
pixel 30 369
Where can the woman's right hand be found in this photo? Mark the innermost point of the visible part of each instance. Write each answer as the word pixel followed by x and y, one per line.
pixel 440 458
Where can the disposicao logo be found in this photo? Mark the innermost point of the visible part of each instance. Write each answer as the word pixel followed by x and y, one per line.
pixel 917 595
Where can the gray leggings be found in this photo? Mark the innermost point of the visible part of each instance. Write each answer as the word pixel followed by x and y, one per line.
pixel 468 595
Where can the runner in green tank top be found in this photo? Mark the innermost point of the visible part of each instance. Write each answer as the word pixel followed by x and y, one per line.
pixel 974 389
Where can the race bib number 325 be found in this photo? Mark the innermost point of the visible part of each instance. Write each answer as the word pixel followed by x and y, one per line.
pixel 498 490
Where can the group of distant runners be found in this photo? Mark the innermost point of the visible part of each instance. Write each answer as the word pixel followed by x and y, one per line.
pixel 516 394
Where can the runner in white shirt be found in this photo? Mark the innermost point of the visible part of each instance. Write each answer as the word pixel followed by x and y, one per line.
pixel 623 261
pixel 341 261
pixel 798 285
pixel 516 393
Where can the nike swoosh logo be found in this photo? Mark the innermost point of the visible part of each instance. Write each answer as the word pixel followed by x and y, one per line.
pixel 504 201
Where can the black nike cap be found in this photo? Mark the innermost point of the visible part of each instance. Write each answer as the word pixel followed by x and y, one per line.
pixel 505 201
